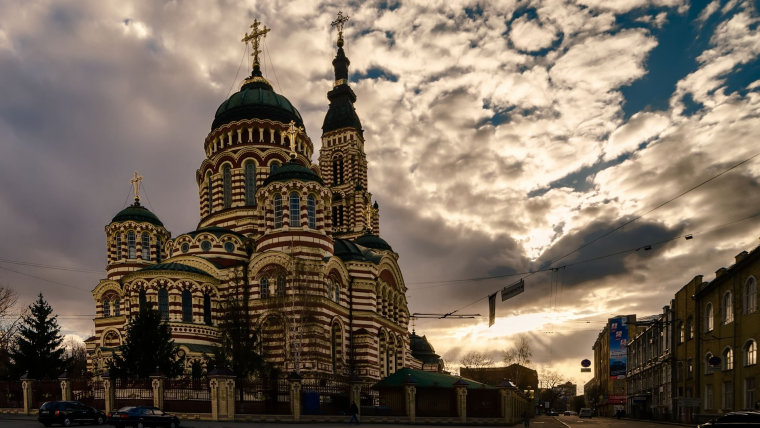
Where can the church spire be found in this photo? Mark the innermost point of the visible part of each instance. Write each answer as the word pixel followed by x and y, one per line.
pixel 341 62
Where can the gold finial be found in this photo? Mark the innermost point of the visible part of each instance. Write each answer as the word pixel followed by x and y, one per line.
pixel 254 38
pixel 339 21
pixel 292 134
pixel 136 183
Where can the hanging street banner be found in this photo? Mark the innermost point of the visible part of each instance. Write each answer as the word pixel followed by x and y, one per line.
pixel 513 290
pixel 618 343
pixel 491 309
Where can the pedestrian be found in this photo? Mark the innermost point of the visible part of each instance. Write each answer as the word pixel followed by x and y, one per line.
pixel 354 412
pixel 526 419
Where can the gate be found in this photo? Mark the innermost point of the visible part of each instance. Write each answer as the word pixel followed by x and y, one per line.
pixel 436 402
pixel 260 396
pixel 325 395
pixel 45 390
pixel 11 394
pixel 133 392
pixel 88 391
pixel 187 396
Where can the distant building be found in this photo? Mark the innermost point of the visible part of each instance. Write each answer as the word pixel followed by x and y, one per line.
pixel 610 364
pixel 423 351
pixel 566 391
pixel 525 378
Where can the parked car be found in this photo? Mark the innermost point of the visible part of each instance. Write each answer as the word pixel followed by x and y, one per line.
pixel 735 419
pixel 552 412
pixel 570 413
pixel 68 413
pixel 586 413
pixel 142 416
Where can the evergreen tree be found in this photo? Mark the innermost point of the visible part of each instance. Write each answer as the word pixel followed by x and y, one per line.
pixel 37 349
pixel 148 347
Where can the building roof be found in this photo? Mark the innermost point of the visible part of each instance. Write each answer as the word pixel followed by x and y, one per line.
pixel 423 379
pixel 341 112
pixel 138 213
pixel 422 349
pixel 293 171
pixel 173 266
pixel 373 241
pixel 348 251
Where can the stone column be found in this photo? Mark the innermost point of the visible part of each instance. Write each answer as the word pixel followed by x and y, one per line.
pixel 109 387
pixel 410 395
pixel 65 387
pixel 222 385
pixel 295 395
pixel 157 382
pixel 27 387
pixel 461 390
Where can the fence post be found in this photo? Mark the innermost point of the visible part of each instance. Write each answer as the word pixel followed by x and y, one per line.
pixel 355 395
pixel 295 395
pixel 27 387
pixel 461 389
pixel 65 386
pixel 410 395
pixel 222 385
pixel 109 389
pixel 157 382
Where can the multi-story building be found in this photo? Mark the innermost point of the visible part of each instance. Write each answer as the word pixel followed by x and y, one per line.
pixel 610 363
pixel 686 401
pixel 298 242
pixel 648 378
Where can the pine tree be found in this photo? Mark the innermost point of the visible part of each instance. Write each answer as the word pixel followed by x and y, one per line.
pixel 148 347
pixel 37 348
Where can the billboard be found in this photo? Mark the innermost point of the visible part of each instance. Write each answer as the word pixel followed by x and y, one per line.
pixel 618 342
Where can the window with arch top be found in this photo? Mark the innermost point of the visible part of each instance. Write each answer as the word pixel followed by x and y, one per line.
pixel 145 246
pixel 116 307
pixel 118 247
pixel 131 245
pixel 709 317
pixel 227 182
pixel 750 353
pixel 187 306
pixel 264 287
pixel 158 249
pixel 106 308
pixel 163 303
pixel 338 170
pixel 311 209
pixel 750 295
pixel 294 209
pixel 277 210
pixel 209 192
pixel 727 309
pixel 728 358
pixel 207 309
pixel 250 183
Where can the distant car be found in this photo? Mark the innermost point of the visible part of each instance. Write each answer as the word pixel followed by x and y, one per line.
pixel 68 413
pixel 552 412
pixel 142 416
pixel 586 413
pixel 735 419
pixel 570 413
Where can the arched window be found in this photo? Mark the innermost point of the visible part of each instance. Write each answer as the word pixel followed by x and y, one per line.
pixel 106 308
pixel 131 245
pixel 311 209
pixel 118 247
pixel 250 183
pixel 338 170
pixel 281 285
pixel 210 192
pixel 329 289
pixel 145 246
pixel 163 303
pixel 727 309
pixel 336 347
pixel 264 287
pixel 227 180
pixel 681 332
pixel 337 293
pixel 708 317
pixel 277 211
pixel 207 309
pixel 728 358
pixel 143 300
pixel 690 328
pixel 158 249
pixel 750 353
pixel 187 306
pixel 750 295
pixel 116 307
pixel 294 210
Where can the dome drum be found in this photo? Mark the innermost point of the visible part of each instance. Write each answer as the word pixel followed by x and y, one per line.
pixel 255 132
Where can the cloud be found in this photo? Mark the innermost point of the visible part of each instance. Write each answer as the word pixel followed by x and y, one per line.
pixel 639 129
pixel 529 35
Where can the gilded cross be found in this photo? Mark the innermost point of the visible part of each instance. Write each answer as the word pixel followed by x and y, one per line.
pixel 292 134
pixel 255 36
pixel 338 23
pixel 136 183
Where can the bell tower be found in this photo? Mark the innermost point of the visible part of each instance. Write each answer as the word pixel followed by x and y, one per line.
pixel 342 161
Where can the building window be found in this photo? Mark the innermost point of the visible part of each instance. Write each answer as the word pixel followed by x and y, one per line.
pixel 749 393
pixel 206 245
pixel 681 332
pixel 337 215
pixel 145 246
pixel 250 183
pixel 294 210
pixel 728 308
pixel 210 192
pixel 116 307
pixel 264 287
pixel 311 208
pixel 158 249
pixel 727 395
pixel 131 245
pixel 106 308
pixel 118 247
pixel 329 289
pixel 750 295
pixel 163 303
pixel 277 211
pixel 280 285
pixel 708 317
pixel 708 397
pixel 337 293
pixel 750 353
pixel 207 309
pixel 728 359
pixel 187 306
pixel 338 170
pixel 143 300
pixel 227 182
pixel 690 328
pixel 229 247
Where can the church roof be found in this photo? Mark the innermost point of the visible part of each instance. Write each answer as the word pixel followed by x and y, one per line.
pixel 341 113
pixel 422 349
pixel 256 100
pixel 348 251
pixel 373 241
pixel 423 379
pixel 138 213
pixel 173 266
pixel 293 171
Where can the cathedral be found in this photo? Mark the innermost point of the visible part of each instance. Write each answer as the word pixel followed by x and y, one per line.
pixel 299 240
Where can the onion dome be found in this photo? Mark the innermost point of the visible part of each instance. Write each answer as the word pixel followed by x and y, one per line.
pixel 373 241
pixel 256 100
pixel 138 213
pixel 293 171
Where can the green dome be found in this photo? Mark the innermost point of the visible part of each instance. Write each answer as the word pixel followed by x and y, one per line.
pixel 138 213
pixel 373 241
pixel 256 100
pixel 293 171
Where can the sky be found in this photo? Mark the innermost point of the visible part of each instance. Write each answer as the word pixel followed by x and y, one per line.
pixel 553 141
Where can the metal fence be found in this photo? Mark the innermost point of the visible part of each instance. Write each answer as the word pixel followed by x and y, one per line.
pixel 484 403
pixel 187 395
pixel 11 394
pixel 133 392
pixel 262 396
pixel 436 402
pixel 89 391
pixel 325 395
pixel 45 390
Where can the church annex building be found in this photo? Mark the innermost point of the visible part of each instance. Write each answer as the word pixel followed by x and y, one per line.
pixel 301 239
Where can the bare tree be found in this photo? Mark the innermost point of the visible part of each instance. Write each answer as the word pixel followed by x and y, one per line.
pixel 476 360
pixel 76 356
pixel 8 322
pixel 520 353
pixel 549 379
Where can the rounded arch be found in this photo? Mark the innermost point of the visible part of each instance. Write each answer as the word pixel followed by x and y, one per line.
pixel 749 351
pixel 110 338
pixel 273 328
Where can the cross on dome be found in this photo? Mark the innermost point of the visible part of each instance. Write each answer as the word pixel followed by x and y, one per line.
pixel 136 183
pixel 338 23
pixel 254 38
pixel 292 133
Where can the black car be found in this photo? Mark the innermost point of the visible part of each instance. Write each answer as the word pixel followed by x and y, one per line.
pixel 142 416
pixel 735 419
pixel 67 413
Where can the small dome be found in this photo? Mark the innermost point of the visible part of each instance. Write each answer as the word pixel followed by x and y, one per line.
pixel 373 241
pixel 293 171
pixel 139 213
pixel 347 250
pixel 256 100
pixel 422 349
